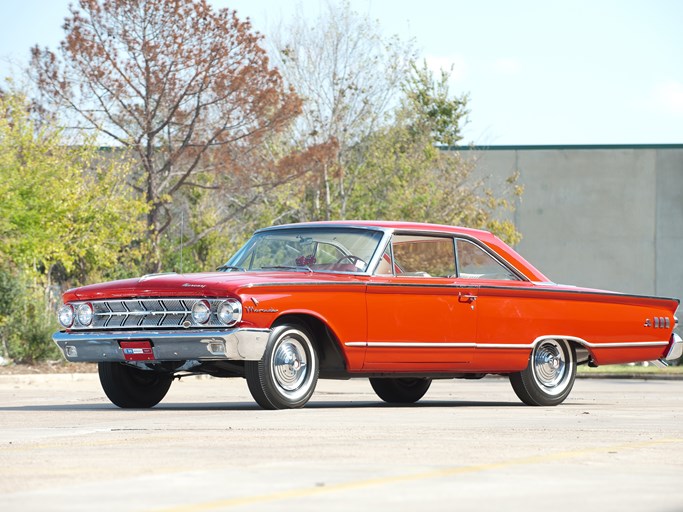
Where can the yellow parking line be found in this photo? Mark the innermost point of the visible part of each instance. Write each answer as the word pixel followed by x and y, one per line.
pixel 439 473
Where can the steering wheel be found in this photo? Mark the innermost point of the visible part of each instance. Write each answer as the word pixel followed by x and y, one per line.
pixel 353 259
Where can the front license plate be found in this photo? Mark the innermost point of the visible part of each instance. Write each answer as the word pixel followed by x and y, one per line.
pixel 137 350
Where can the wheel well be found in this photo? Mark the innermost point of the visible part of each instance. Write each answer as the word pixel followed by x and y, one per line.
pixel 332 362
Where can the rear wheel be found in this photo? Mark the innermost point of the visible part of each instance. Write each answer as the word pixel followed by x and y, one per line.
pixel 400 391
pixel 550 375
pixel 131 388
pixel 287 374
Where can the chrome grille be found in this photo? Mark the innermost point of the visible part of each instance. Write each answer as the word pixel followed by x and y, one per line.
pixel 171 313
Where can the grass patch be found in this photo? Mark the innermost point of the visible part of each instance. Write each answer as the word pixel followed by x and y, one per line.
pixel 627 369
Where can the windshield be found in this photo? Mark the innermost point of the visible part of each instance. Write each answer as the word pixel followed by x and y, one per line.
pixel 312 249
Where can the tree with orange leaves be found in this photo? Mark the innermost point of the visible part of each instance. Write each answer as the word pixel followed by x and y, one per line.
pixel 184 88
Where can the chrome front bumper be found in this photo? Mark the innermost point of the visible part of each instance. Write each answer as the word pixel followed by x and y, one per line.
pixel 208 345
pixel 675 351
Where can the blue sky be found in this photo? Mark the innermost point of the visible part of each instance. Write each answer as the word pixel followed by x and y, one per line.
pixel 537 72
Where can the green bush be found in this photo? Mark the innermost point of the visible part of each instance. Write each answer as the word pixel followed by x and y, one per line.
pixel 27 319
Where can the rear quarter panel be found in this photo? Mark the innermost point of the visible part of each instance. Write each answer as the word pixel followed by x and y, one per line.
pixel 611 326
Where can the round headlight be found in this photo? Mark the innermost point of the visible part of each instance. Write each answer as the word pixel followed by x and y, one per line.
pixel 230 312
pixel 66 315
pixel 201 312
pixel 84 314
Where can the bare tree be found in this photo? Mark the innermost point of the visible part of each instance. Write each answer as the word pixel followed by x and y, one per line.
pixel 348 75
pixel 184 87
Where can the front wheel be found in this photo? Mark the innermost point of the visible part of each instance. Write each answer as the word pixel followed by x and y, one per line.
pixel 286 375
pixel 400 391
pixel 550 375
pixel 131 388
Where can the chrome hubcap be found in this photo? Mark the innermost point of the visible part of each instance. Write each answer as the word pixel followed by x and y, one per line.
pixel 550 368
pixel 290 365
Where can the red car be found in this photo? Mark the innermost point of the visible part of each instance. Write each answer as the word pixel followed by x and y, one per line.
pixel 398 303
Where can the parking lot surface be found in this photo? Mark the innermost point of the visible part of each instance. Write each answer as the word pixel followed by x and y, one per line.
pixel 468 445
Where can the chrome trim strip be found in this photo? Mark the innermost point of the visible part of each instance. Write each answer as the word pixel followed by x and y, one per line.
pixel 626 345
pixel 546 289
pixel 542 288
pixel 409 344
pixel 520 346
pixel 581 342
pixel 588 344
pixel 322 225
pixel 426 284
pixel 309 283
pixel 144 313
pixel 676 349
pixel 517 346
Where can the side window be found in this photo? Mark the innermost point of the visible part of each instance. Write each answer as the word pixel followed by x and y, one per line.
pixel 384 267
pixel 475 263
pixel 423 256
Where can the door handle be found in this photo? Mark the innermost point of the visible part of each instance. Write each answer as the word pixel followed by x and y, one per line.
pixel 466 297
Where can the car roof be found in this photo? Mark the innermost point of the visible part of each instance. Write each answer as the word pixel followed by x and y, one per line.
pixel 393 225
pixel 489 239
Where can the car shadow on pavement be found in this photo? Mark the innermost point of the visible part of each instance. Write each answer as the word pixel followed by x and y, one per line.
pixel 251 406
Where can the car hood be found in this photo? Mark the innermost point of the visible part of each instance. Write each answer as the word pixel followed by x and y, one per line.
pixel 205 284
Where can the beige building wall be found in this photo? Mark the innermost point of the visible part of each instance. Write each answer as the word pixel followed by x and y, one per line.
pixel 606 217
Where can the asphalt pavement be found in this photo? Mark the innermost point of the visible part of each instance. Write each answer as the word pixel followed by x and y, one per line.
pixel 468 445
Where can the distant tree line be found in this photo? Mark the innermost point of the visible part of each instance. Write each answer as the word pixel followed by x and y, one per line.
pixel 163 133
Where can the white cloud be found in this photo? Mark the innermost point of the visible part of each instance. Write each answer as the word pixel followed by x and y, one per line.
pixel 668 96
pixel 454 64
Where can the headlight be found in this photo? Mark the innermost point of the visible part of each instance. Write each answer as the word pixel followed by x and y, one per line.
pixel 84 314
pixel 201 312
pixel 230 312
pixel 66 315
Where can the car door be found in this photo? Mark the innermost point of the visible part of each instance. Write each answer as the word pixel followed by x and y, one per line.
pixel 505 315
pixel 420 316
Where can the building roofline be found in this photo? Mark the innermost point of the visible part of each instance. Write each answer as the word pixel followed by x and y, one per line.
pixel 550 147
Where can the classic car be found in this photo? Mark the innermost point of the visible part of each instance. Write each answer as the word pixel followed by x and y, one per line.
pixel 399 303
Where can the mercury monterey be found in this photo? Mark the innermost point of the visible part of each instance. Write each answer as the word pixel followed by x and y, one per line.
pixel 398 303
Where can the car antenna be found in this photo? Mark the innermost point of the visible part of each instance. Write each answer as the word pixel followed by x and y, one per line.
pixel 182 230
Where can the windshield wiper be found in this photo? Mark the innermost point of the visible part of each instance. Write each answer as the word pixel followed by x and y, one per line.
pixel 288 267
pixel 230 268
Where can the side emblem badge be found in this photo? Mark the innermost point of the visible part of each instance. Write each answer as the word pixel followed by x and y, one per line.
pixel 256 309
pixel 660 322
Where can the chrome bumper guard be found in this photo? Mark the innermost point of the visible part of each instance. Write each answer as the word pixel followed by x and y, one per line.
pixel 208 345
pixel 675 351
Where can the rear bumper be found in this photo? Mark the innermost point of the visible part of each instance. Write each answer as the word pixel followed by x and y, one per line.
pixel 201 345
pixel 675 351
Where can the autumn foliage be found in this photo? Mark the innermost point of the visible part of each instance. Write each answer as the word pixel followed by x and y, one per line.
pixel 187 89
